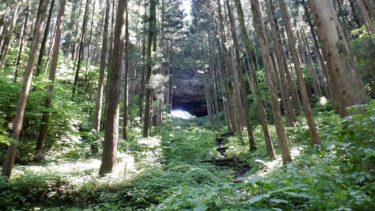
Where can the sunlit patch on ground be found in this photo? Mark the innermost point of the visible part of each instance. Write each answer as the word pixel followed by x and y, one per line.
pixel 269 166
pixel 181 114
pixel 83 171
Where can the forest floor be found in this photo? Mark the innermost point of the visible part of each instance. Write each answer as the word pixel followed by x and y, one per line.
pixel 167 172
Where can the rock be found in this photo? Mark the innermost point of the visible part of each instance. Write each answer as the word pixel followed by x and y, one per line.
pixel 188 92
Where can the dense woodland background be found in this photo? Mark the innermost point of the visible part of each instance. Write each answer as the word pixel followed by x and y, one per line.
pixel 89 93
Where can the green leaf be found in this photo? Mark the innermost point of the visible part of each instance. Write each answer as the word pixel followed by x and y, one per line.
pixel 256 199
pixel 201 208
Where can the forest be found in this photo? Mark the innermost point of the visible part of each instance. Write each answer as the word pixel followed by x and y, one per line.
pixel 187 105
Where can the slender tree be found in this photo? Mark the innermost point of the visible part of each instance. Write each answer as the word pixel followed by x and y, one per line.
pixel 113 109
pixel 42 49
pixel 254 83
pixel 151 34
pixel 126 76
pixel 261 34
pixel 21 43
pixel 103 63
pixel 366 17
pixel 40 148
pixel 297 65
pixel 280 64
pixel 243 92
pixel 18 120
pixel 8 31
pixel 81 48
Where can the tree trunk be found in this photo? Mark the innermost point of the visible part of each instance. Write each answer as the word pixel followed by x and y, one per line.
pixel 44 40
pixel 8 31
pixel 103 63
pixel 323 75
pixel 230 89
pixel 21 43
pixel 40 148
pixel 279 55
pixel 305 98
pixel 126 87
pixel 18 120
pixel 370 6
pixel 254 83
pixel 112 121
pixel 143 87
pixel 81 48
pixel 151 34
pixel 310 65
pixel 261 34
pixel 242 89
pixel 86 81
pixel 368 23
pixel 347 87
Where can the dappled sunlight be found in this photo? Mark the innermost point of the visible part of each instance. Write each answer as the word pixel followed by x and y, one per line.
pixel 150 141
pixel 82 172
pixel 151 155
pixel 269 166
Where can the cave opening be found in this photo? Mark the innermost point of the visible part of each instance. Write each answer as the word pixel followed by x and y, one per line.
pixel 188 92
pixel 196 108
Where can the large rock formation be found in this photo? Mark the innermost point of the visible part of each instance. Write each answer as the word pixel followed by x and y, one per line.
pixel 188 92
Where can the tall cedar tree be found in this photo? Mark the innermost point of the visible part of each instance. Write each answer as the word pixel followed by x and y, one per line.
pixel 103 63
pixel 22 41
pixel 18 120
pixel 254 83
pixel 261 34
pixel 39 154
pixel 297 65
pixel 344 82
pixel 243 92
pixel 114 89
pixel 44 40
pixel 151 34
pixel 81 48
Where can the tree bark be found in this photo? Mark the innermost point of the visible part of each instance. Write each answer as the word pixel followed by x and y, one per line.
pixel 242 89
pixel 126 74
pixel 81 48
pixel 8 35
pixel 148 95
pixel 142 90
pixel 112 121
pixel 44 40
pixel 323 74
pixel 346 85
pixel 103 63
pixel 310 65
pixel 305 98
pixel 230 89
pixel 368 23
pixel 261 34
pixel 40 148
pixel 279 55
pixel 21 43
pixel 18 120
pixel 254 83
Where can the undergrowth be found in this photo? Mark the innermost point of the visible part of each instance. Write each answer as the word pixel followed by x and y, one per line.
pixel 338 175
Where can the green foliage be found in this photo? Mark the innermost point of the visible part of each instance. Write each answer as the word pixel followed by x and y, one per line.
pixel 31 189
pixel 357 141
pixel 188 144
pixel 363 47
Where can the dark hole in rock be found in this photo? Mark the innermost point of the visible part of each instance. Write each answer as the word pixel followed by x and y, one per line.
pixel 196 108
pixel 188 92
